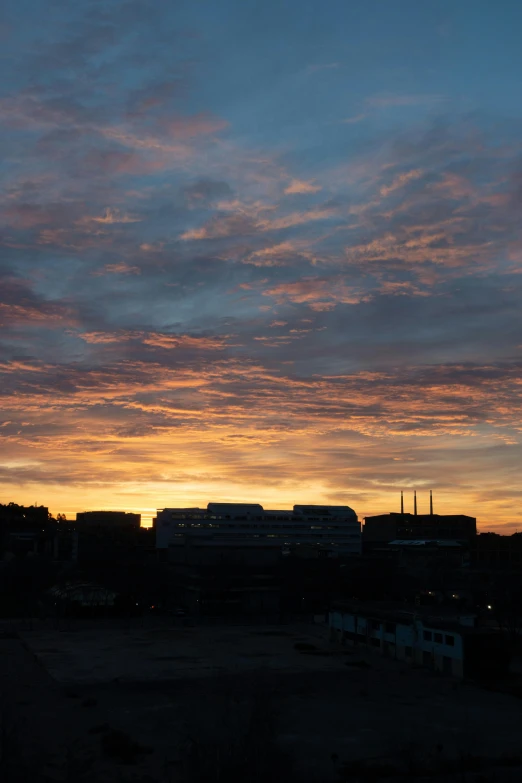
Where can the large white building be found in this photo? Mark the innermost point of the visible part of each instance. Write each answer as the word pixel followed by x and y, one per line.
pixel 331 529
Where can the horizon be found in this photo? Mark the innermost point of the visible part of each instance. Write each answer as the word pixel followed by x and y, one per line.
pixel 262 251
pixel 148 513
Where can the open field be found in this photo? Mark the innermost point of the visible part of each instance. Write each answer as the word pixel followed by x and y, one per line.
pixel 180 691
pixel 150 652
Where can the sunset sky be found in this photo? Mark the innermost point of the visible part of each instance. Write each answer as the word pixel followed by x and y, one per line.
pixel 261 251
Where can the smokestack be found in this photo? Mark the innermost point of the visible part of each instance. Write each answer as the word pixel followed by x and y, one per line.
pixel 402 503
pixel 415 502
pixel 431 503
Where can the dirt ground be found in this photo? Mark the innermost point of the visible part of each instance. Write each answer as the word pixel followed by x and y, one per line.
pixel 180 691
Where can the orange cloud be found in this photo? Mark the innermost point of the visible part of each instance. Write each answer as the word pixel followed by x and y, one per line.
pixel 157 339
pixel 319 294
pixel 237 429
pixel 46 314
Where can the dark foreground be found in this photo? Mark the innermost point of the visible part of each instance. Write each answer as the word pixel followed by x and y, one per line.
pixel 155 703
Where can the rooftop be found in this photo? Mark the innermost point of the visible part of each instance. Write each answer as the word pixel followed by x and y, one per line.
pixel 406 614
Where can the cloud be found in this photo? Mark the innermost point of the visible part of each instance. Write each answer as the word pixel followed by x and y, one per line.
pixel 155 95
pixel 401 180
pixel 183 127
pixel 120 269
pixel 242 224
pixel 281 254
pixel 178 330
pixel 205 191
pixel 355 119
pixel 222 227
pixel 157 340
pixel 300 186
pixel 111 216
pixel 20 306
pixel 319 294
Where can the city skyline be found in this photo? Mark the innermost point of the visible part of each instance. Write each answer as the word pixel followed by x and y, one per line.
pixel 261 252
pixel 417 508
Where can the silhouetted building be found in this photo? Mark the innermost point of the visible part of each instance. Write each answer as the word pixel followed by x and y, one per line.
pixel 334 530
pixel 30 530
pixel 496 552
pixel 384 528
pixel 108 519
pixel 13 515
pixel 412 552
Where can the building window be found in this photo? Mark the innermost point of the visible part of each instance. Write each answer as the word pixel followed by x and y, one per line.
pixel 408 651
pixel 374 625
pixel 450 641
pixel 437 637
pixel 427 636
pixel 426 658
pixel 390 628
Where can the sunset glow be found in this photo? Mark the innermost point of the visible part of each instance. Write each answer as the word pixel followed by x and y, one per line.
pixel 249 254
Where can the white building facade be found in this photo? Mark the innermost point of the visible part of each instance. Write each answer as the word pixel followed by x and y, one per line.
pixel 334 530
pixel 435 643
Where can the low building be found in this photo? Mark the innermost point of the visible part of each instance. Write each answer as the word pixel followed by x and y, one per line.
pixel 384 528
pixel 498 553
pixel 333 530
pixel 424 553
pixel 32 531
pixel 108 519
pixel 443 641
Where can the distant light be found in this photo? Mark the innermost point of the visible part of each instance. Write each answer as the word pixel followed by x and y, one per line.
pixel 136 603
pixel 489 606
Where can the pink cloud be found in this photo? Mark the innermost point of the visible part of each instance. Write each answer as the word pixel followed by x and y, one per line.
pixel 279 254
pixel 121 269
pixel 196 125
pixel 297 219
pixel 29 215
pixel 300 186
pixel 401 180
pixel 109 217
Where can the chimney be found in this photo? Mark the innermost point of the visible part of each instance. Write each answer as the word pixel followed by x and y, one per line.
pixel 415 502
pixel 402 503
pixel 431 503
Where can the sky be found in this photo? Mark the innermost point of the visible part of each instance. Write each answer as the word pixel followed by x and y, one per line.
pixel 261 252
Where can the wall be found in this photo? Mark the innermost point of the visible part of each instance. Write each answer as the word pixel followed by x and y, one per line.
pixel 406 643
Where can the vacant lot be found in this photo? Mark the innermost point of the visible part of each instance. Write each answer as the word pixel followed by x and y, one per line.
pixel 187 696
